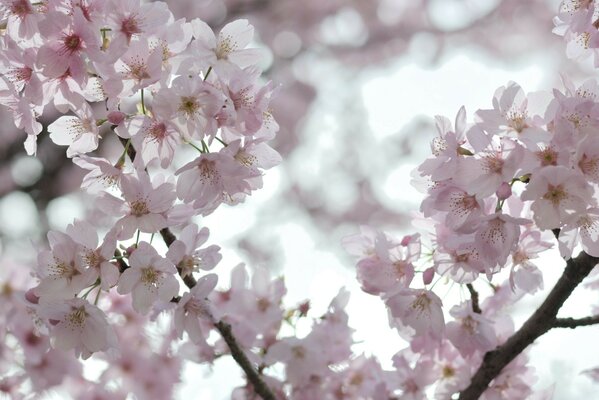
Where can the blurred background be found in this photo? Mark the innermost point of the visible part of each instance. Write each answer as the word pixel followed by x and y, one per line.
pixel 360 83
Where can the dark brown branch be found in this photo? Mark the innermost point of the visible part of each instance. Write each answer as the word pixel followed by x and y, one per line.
pixel 575 323
pixel 474 297
pixel 260 387
pixel 542 320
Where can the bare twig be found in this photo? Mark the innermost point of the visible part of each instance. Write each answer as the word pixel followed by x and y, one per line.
pixel 474 297
pixel 542 320
pixel 575 323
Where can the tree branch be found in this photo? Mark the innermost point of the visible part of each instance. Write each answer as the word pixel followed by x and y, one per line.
pixel 260 387
pixel 575 323
pixel 474 297
pixel 542 320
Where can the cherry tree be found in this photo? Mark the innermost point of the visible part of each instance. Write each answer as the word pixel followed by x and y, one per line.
pixel 130 291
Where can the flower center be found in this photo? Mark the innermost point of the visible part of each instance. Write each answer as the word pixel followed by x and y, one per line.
pixel 139 208
pixel 77 317
pixel 149 276
pixel 555 194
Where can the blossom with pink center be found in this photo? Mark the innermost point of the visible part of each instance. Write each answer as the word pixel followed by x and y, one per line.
pixel 150 277
pixel 79 132
pixel 65 92
pixel 211 179
pixel 186 254
pixel 248 99
pixel 129 19
pixel 496 237
pixel 386 264
pixel 498 163
pixel 139 67
pixel 22 18
pixel 511 114
pixel 226 49
pixel 558 193
pixel 416 312
pixel 68 41
pixel 153 137
pixel 194 306
pixel 93 255
pixel 460 261
pixel 464 211
pixel 587 158
pixel 102 175
pixel 17 65
pixel 470 332
pixel 77 324
pixel 144 206
pixel 62 274
pixel 192 104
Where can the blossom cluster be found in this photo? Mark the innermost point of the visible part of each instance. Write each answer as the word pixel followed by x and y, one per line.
pixel 497 190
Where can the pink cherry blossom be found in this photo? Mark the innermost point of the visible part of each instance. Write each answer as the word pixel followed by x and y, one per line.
pixel 186 254
pixel 69 39
pixel 149 278
pixel 93 255
pixel 194 306
pixel 211 179
pixel 81 326
pixel 61 271
pixel 192 104
pixel 557 194
pixel 416 312
pixel 470 332
pixel 144 207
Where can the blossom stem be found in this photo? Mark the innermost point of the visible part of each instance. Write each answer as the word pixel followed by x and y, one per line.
pixel 143 104
pixel 221 142
pixel 207 73
pixel 97 296
pixel 196 147
pixel 541 321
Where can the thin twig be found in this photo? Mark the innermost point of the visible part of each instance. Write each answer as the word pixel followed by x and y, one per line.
pixel 474 297
pixel 575 323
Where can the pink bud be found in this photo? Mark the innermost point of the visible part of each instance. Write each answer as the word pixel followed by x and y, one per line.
pixel 116 117
pixel 406 240
pixel 31 297
pixel 304 308
pixel 428 275
pixel 504 191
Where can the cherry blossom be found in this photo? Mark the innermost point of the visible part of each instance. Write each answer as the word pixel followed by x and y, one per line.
pixel 149 278
pixel 79 325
